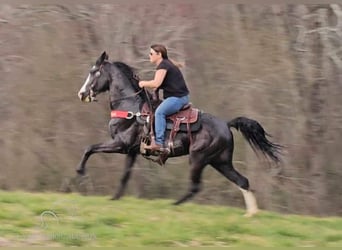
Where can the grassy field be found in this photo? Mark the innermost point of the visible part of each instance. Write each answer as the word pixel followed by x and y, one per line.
pixel 52 219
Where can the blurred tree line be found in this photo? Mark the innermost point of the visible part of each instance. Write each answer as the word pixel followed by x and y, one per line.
pixel 278 64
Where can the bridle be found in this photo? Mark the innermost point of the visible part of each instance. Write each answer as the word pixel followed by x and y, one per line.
pixel 97 72
pixel 94 82
pixel 117 113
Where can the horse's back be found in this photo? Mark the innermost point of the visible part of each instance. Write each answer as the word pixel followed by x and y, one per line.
pixel 215 125
pixel 214 135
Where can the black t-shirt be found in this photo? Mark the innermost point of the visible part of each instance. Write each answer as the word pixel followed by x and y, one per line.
pixel 174 83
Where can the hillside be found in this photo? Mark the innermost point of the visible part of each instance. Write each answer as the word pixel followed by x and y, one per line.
pixel 52 219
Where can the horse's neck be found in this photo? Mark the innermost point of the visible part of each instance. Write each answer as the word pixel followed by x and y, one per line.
pixel 121 91
pixel 127 99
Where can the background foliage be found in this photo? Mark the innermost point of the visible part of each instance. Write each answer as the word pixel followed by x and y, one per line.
pixel 278 64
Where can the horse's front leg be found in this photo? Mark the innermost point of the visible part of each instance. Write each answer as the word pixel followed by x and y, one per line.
pixel 130 160
pixel 106 147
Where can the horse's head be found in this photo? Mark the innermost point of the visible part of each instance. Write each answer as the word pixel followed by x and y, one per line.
pixel 98 80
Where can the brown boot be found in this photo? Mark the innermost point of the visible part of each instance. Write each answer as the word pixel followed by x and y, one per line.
pixel 154 146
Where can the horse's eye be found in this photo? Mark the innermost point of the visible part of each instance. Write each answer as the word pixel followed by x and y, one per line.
pixel 97 74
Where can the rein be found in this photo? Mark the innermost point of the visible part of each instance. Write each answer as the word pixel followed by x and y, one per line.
pixel 129 114
pixel 135 77
pixel 128 96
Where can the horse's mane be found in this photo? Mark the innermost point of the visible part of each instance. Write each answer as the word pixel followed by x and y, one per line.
pixel 133 78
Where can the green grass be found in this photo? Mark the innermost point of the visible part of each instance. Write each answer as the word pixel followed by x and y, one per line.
pixel 51 219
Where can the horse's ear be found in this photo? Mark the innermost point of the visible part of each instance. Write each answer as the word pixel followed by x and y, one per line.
pixel 102 58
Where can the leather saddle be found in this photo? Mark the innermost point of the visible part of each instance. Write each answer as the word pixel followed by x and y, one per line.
pixel 185 120
pixel 188 119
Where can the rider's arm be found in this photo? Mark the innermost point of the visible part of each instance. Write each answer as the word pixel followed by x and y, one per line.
pixel 156 82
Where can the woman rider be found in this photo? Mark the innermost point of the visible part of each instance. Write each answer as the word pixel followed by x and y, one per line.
pixel 169 78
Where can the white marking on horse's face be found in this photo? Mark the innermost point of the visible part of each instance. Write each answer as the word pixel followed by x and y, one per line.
pixel 84 87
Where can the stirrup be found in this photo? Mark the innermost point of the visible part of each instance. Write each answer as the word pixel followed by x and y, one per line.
pixel 163 156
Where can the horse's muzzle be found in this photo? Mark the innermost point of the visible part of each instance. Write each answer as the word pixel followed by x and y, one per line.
pixel 83 97
pixel 86 98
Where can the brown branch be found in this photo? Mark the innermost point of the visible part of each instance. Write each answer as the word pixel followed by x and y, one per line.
pixel 338 12
pixel 325 32
pixel 300 40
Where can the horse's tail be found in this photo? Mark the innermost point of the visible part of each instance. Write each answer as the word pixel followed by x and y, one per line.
pixel 255 134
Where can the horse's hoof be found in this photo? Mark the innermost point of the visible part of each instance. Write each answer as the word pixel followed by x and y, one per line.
pixel 250 214
pixel 176 203
pixel 80 171
pixel 116 196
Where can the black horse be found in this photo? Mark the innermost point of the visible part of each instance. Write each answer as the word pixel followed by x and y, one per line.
pixel 211 145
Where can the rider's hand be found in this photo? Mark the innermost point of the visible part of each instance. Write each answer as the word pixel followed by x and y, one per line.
pixel 141 84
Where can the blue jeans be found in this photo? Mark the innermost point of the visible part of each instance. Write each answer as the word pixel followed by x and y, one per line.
pixel 168 107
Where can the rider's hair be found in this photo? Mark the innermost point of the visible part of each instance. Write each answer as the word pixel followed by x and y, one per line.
pixel 159 48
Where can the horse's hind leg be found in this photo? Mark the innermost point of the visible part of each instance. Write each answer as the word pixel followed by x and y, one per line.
pixel 250 201
pixel 107 147
pixel 130 159
pixel 195 186
pixel 231 174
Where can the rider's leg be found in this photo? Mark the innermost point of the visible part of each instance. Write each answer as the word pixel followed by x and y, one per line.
pixel 169 106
